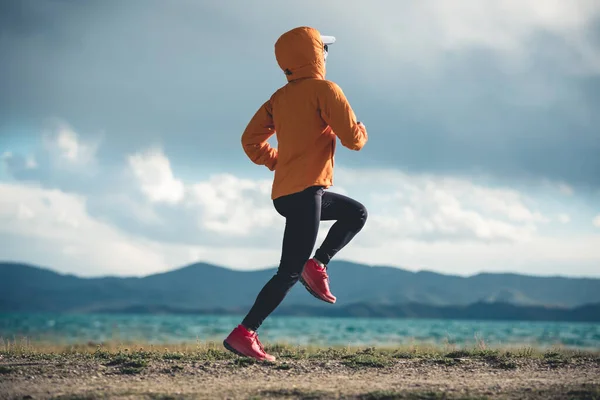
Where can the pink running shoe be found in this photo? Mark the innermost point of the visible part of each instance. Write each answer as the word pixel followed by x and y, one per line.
pixel 243 343
pixel 314 278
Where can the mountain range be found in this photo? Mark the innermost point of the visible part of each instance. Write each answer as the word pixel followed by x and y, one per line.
pixel 360 289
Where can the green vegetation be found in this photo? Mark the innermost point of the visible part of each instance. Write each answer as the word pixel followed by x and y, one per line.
pixel 314 395
pixel 283 367
pixel 291 393
pixel 100 395
pixel 368 357
pixel 592 393
pixel 393 395
pixel 6 370
pixel 129 364
pixel 132 358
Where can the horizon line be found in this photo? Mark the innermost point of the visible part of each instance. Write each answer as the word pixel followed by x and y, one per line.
pixel 259 269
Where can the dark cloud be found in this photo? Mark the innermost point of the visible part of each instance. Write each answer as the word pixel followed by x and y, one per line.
pixel 480 119
pixel 189 75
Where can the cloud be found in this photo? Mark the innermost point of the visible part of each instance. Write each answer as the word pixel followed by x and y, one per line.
pixel 416 221
pixel 438 208
pixel 565 189
pixel 143 196
pixel 507 24
pixel 66 145
pixel 546 256
pixel 60 157
pixel 222 211
pixel 507 88
pixel 153 202
pixel 153 172
pixel 596 221
pixel 50 226
pixel 234 206
pixel 223 205
pixel 564 218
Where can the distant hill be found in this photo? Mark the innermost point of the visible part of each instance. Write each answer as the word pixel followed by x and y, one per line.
pixel 478 311
pixel 25 288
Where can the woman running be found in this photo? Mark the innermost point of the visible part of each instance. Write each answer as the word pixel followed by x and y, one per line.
pixel 307 114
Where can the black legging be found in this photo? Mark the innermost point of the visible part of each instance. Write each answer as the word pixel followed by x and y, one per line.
pixel 303 211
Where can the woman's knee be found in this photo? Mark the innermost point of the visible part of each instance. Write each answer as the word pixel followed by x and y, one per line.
pixel 360 216
pixel 289 273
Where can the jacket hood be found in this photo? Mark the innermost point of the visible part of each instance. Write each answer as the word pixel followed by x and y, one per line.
pixel 299 53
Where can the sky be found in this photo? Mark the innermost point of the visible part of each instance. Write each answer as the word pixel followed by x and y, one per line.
pixel 120 127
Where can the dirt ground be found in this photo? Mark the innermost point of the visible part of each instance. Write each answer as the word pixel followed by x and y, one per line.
pixel 23 377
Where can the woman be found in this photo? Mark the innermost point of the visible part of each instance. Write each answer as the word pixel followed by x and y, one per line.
pixel 307 114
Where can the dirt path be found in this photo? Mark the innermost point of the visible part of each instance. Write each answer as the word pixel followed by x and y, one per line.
pixel 89 378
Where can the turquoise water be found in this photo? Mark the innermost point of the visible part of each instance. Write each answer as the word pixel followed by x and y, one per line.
pixel 81 328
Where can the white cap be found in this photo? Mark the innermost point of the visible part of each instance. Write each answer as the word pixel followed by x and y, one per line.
pixel 328 39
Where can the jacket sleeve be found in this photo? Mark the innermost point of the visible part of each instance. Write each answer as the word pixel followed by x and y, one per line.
pixel 255 136
pixel 336 111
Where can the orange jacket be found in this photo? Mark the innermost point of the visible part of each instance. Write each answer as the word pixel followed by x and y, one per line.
pixel 306 115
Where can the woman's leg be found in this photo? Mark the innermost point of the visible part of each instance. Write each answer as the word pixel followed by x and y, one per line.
pixel 302 212
pixel 350 216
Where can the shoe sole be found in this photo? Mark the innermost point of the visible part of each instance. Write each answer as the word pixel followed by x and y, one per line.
pixel 307 286
pixel 234 351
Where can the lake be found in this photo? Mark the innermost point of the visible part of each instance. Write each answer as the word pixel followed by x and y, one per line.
pixel 81 328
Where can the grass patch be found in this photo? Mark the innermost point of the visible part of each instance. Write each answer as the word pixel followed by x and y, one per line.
pixel 212 354
pixel 101 395
pixel 365 360
pixel 382 395
pixel 506 364
pixel 402 354
pixel 294 393
pixel 496 358
pixel 525 352
pixel 172 369
pixel 173 356
pixel 487 355
pixel 283 367
pixel 124 370
pixel 458 354
pixel 129 364
pixel 117 354
pixel 287 352
pixel 448 362
pixel 369 358
pixel 502 360
pixel 552 355
pixel 427 395
pixel 592 393
pixel 6 370
pixel 132 367
pixel 243 362
pixel 555 359
pixel 330 353
pixel 118 359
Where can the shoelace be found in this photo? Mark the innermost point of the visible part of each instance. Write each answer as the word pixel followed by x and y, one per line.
pixel 260 346
pixel 324 275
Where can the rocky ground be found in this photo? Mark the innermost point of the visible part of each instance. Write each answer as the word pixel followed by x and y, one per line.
pixel 211 373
